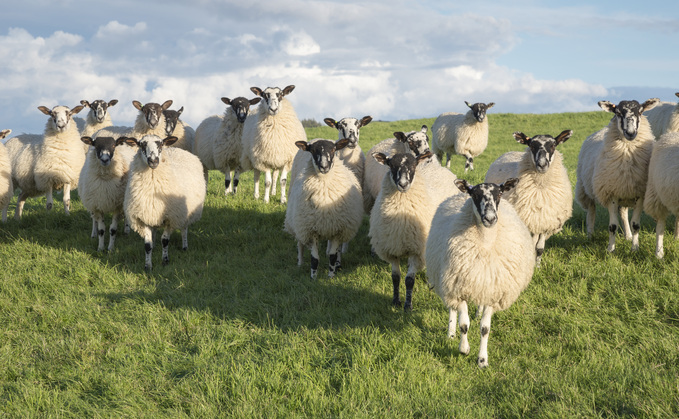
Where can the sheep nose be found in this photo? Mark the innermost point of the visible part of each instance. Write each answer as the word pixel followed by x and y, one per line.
pixel 489 219
pixel 105 159
pixel 153 163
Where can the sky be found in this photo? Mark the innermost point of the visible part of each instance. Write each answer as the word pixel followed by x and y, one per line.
pixel 391 59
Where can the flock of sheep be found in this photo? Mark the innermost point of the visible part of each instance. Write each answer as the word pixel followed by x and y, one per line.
pixel 154 175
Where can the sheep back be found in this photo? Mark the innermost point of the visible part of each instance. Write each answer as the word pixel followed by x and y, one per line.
pixel 208 134
pixel 439 179
pixel 587 160
pixel 23 151
pixel 663 118
pixel 466 262
pixel 459 132
pixel 662 193
pixel 504 167
pixel 185 135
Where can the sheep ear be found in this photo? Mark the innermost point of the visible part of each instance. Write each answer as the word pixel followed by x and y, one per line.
pixel 490 105
pixel 565 135
pixel 424 129
pixel 649 104
pixel 463 185
pixel 76 110
pixel 166 105
pixel 257 91
pixel 179 112
pixel 255 101
pixel 85 103
pixel 509 184
pixel 424 156
pixel 401 137
pixel 521 138
pixel 121 141
pixel 365 121
pixel 302 145
pixel 381 158
pixel 340 144
pixel 86 140
pixel 133 142
pixel 467 103
pixel 606 105
pixel 330 122
pixel 168 141
pixel 112 102
pixel 4 133
pixel 45 110
pixel 137 104
pixel 226 100
pixel 288 90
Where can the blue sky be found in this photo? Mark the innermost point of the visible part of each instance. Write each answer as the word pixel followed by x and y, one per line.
pixel 390 59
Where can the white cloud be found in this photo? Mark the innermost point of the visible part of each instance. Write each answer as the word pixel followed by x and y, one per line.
pixel 300 44
pixel 115 29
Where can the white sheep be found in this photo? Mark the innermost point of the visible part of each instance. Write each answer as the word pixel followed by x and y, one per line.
pixel 325 203
pixel 480 251
pixel 269 137
pixel 177 128
pixel 103 180
pixel 544 196
pixel 42 163
pixel 401 217
pixel 218 140
pixel 166 188
pixel 415 142
pixel 6 184
pixel 613 168
pixel 462 134
pixel 352 155
pixel 664 118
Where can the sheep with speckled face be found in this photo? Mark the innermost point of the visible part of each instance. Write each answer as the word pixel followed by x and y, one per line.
pixel 325 203
pixel 462 134
pixel 543 197
pixel 166 188
pixel 97 118
pixel 43 163
pixel 613 168
pixel 177 128
pixel 218 141
pixel 352 155
pixel 6 184
pixel 269 137
pixel 478 250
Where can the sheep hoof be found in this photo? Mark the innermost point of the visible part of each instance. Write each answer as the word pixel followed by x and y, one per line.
pixel 408 307
pixel 482 362
pixel 148 268
pixel 660 253
pixel 49 206
pixel 396 302
pixel 610 248
pixel 464 348
pixel 166 260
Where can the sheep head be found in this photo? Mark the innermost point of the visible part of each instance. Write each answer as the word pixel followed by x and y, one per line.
pixel 486 198
pixel 628 114
pixel 542 147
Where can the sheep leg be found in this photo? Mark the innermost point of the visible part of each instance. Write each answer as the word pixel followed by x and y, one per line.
pixel 165 241
pixel 345 247
pixel 267 185
pixel 452 322
pixel 20 205
pixel 448 160
pixel 67 198
pixel 464 327
pixel 591 218
pixel 314 259
pixel 284 182
pixel 469 164
pixel 612 225
pixel 185 239
pixel 659 235
pixel 624 219
pixel 410 282
pixel 334 258
pixel 113 231
pixel 50 199
pixel 236 176
pixel 4 214
pixel 300 253
pixel 206 176
pixel 539 249
pixel 636 223
pixel 256 181
pixel 126 230
pixel 274 177
pixel 147 234
pixel 396 281
pixel 482 360
pixel 101 229
pixel 227 180
pixel 479 311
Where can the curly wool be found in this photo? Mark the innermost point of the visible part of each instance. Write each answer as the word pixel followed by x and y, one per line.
pixel 460 133
pixel 185 135
pixel 469 262
pixel 171 195
pixel 23 151
pixel 324 206
pixel 662 192
pixel 60 159
pixel 218 141
pixel 663 118
pixel 440 180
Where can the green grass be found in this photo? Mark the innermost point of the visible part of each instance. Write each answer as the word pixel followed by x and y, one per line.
pixel 233 327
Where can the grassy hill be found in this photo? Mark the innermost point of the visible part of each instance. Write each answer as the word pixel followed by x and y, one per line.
pixel 233 327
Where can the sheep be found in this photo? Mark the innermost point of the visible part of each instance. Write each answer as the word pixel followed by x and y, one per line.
pixel 325 203
pixel 613 168
pixel 178 128
pixel 401 217
pixel 150 119
pixel 97 118
pixel 543 198
pixel 664 118
pixel 166 189
pixel 218 140
pixel 103 181
pixel 6 184
pixel 269 138
pixel 413 141
pixel 41 163
pixel 479 251
pixel 352 156
pixel 463 134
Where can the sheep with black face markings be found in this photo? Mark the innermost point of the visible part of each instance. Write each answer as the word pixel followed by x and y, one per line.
pixel 218 140
pixel 166 188
pixel 6 184
pixel 613 168
pixel 97 118
pixel 462 134
pixel 543 198
pixel 352 155
pixel 150 119
pixel 325 203
pixel 178 128
pixel 480 251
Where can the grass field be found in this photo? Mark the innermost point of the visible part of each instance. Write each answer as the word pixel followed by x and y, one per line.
pixel 233 327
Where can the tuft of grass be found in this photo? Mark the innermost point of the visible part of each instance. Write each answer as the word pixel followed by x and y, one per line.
pixel 233 327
